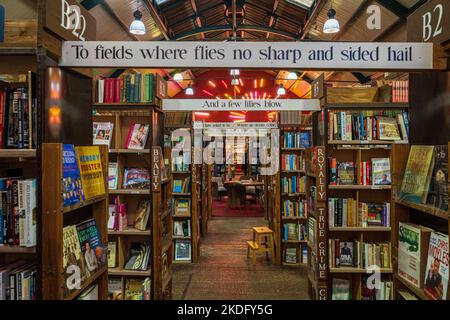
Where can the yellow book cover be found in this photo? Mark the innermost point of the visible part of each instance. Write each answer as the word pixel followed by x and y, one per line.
pixel 416 179
pixel 89 161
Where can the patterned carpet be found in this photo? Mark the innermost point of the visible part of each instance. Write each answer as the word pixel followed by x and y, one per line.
pixel 219 209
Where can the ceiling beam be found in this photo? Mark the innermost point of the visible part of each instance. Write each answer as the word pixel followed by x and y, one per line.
pixel 159 21
pixel 90 4
pixel 276 16
pixel 320 4
pixel 234 20
pixel 113 15
pixel 171 25
pixel 272 18
pixel 395 7
pixel 198 21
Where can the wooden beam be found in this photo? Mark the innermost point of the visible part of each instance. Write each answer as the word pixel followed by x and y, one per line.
pixel 162 26
pixel 272 19
pixel 113 15
pixel 311 20
pixel 198 21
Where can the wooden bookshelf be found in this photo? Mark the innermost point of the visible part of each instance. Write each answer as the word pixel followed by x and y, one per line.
pixel 53 224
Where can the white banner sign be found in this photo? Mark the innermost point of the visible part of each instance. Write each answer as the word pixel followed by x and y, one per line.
pixel 237 105
pixel 235 125
pixel 262 55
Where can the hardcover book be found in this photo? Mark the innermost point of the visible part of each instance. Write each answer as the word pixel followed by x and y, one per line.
pixel 103 132
pixel 138 256
pixel 416 178
pixel 183 250
pixel 136 178
pixel 91 170
pixel 340 289
pixel 438 194
pixel 72 186
pixel 142 215
pixel 113 168
pixel 436 274
pixel 137 136
pixel 91 246
pixel 388 129
pixel 381 171
pixel 346 258
pixel 290 255
pixel 346 173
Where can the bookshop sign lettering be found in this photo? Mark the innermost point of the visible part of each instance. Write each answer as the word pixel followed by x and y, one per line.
pixel 227 105
pixel 321 214
pixel 267 55
pixel 430 23
pixel 157 160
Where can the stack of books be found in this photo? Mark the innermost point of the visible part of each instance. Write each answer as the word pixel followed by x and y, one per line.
pixel 129 88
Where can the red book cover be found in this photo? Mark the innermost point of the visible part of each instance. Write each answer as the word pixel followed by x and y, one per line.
pixel 130 132
pixel 368 173
pixel 111 90
pixel 106 91
pixel 283 162
pixel 117 90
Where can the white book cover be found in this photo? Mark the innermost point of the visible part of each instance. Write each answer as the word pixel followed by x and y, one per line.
pixel 30 213
pixel 331 212
pixel 101 91
pixel 102 132
pixel 113 168
pixel 436 274
pixel 111 216
pixel 381 171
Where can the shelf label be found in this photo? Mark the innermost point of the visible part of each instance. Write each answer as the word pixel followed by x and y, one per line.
pixel 157 165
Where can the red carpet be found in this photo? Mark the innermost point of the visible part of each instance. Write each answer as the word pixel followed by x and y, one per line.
pixel 219 209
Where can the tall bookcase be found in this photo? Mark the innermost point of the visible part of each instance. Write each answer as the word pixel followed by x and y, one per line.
pixel 421 214
pixel 159 228
pixel 56 217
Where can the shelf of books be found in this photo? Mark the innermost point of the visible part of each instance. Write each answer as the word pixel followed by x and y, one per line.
pixel 75 212
pixel 186 193
pixel 18 188
pixel 421 226
pixel 360 137
pixel 295 137
pixel 127 119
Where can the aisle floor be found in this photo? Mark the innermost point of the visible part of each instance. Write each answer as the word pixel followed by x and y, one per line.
pixel 224 272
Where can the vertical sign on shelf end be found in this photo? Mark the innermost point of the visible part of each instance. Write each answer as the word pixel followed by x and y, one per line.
pixel 2 24
pixel 322 249
pixel 157 162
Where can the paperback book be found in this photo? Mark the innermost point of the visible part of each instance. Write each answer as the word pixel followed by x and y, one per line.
pixel 73 192
pixel 137 136
pixel 436 273
pixel 103 132
pixel 91 246
pixel 136 178
pixel 91 170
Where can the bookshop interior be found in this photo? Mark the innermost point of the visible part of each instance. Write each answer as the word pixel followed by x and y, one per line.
pixel 224 149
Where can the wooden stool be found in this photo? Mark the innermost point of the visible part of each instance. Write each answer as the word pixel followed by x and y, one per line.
pixel 262 242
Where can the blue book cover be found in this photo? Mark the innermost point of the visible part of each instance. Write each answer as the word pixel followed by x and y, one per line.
pixel 72 187
pixel 305 139
pixel 2 204
pixel 91 245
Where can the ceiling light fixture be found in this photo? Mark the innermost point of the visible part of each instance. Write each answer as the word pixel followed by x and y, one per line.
pixel 281 90
pixel 137 27
pixel 178 77
pixel 189 91
pixel 292 75
pixel 235 82
pixel 331 25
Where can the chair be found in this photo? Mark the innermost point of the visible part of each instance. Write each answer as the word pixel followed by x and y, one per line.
pixel 236 195
pixel 218 189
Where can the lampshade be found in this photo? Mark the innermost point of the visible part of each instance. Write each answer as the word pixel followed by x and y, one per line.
pixel 281 90
pixel 189 91
pixel 137 27
pixel 235 82
pixel 331 25
pixel 178 77
pixel 235 72
pixel 292 76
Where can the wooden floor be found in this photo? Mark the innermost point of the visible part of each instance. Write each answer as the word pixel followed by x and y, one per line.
pixel 224 272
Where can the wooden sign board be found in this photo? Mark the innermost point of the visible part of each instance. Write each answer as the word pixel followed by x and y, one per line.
pixel 318 87
pixel 321 211
pixel 157 165
pixel 430 23
pixel 2 23
pixel 161 87
pixel 321 180
pixel 70 20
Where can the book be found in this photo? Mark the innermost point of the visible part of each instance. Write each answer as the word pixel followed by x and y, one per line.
pixel 345 173
pixel 290 255
pixel 136 178
pixel 182 250
pixel 112 260
pixel 340 289
pixel 182 207
pixel 346 257
pixel 436 272
pixel 438 193
pixel 92 249
pixel 73 261
pixel 137 136
pixel 111 216
pixel 103 132
pixel 381 171
pixel 182 228
pixel 413 243
pixel 113 171
pixel 89 294
pixel 417 176
pixel 137 289
pixel 115 289
pixel 138 256
pixel 388 129
pixel 142 215
pixel 91 171
pixel 73 192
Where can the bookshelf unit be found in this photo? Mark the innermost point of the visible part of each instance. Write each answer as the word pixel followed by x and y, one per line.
pixel 421 214
pixel 348 226
pixel 56 217
pixel 293 188
pixel 158 232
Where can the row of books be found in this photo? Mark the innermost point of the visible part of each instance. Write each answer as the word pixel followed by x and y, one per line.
pixel 426 175
pixel 182 228
pixel 294 208
pixel 138 257
pixel 18 212
pixel 341 289
pixel 181 207
pixel 375 172
pixel 294 232
pixel 423 259
pixel 182 250
pixel 127 88
pixel 312 231
pixel 118 219
pixel 83 248
pixel 368 125
pixel 400 91
pixel 18 281
pixel 294 184
pixel 181 163
pixel 134 289
pixel 292 162
pixel 296 139
pixel 310 165
pixel 295 117
pixel 136 138
pixel 347 212
pixel 133 178
pixel 357 254
pixel 182 186
pixel 15 113
pixel 293 256
pixel 311 199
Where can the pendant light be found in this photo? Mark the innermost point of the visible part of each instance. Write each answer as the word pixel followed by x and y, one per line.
pixel 235 81
pixel 137 27
pixel 178 77
pixel 292 75
pixel 281 90
pixel 235 72
pixel 331 25
pixel 189 91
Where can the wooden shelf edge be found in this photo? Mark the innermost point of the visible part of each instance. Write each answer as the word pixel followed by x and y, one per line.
pixel 418 292
pixel 84 204
pixel 130 232
pixel 7 249
pixel 129 273
pixel 360 229
pixel 424 208
pixel 357 270
pixel 17 153
pixel 130 191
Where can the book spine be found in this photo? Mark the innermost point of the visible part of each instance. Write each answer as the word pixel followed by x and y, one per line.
pixel 130 133
pixel 101 91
